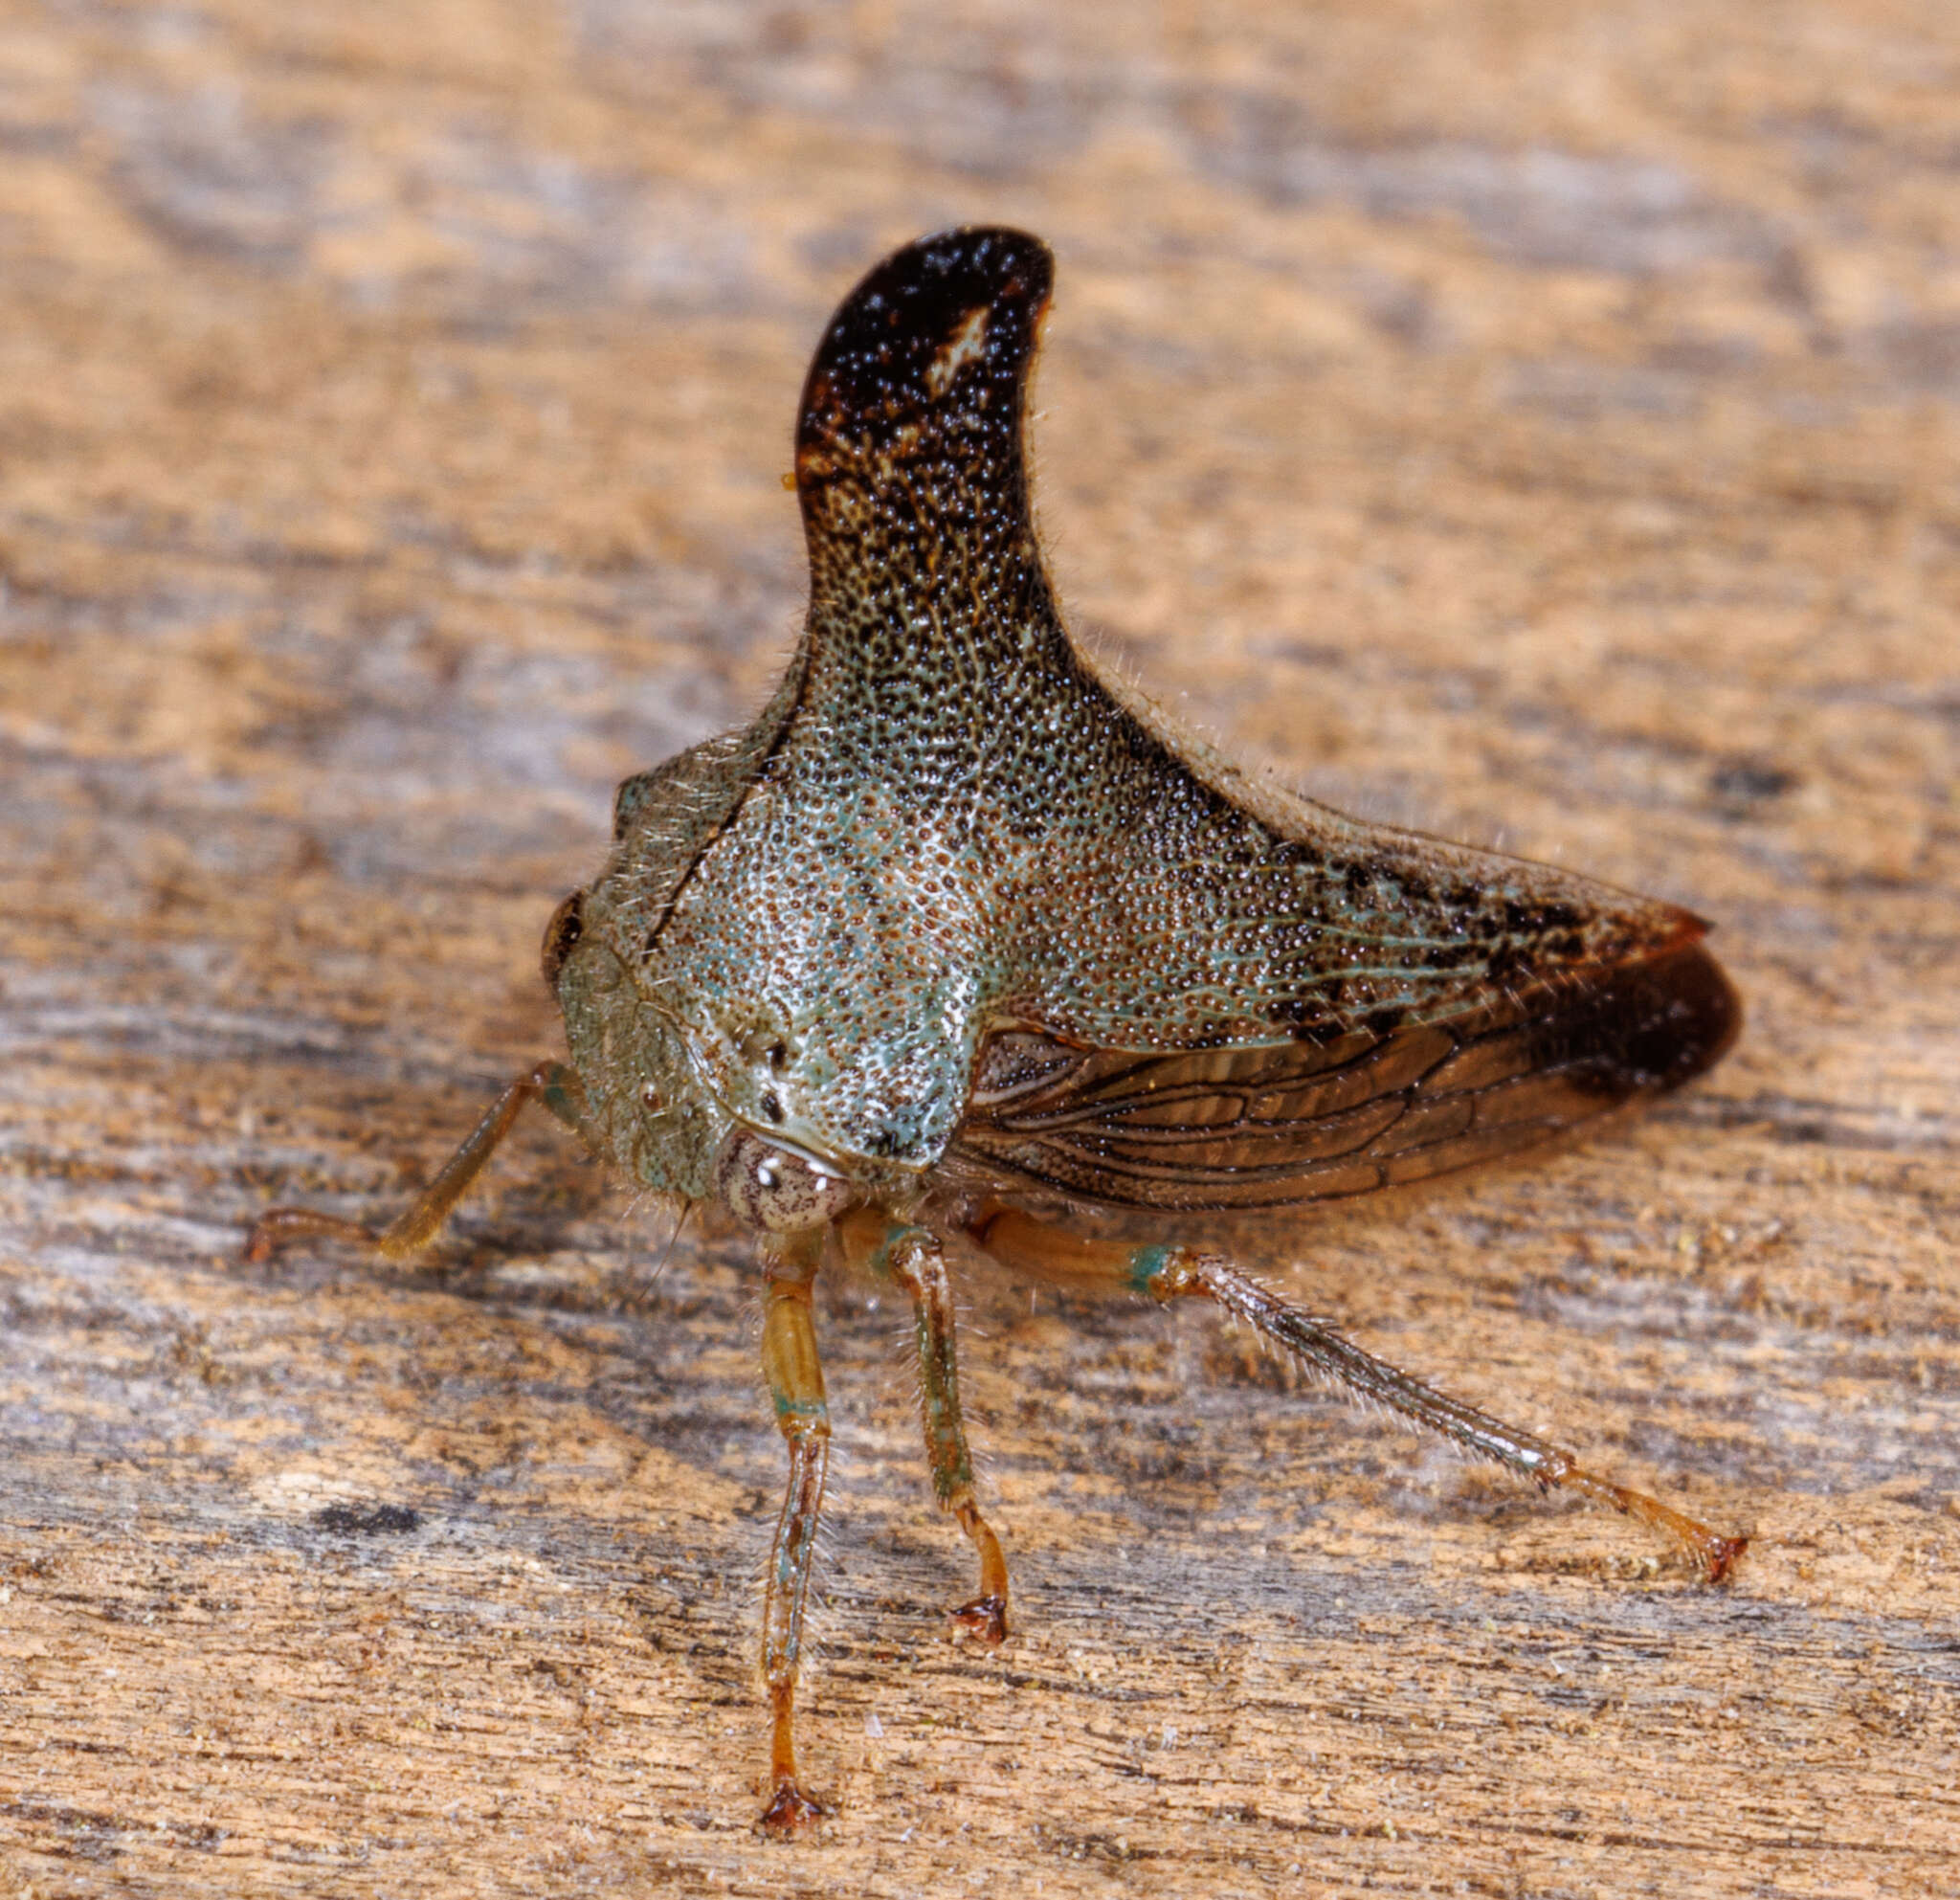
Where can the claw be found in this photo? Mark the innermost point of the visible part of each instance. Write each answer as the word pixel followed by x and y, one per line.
pixel 1721 1556
pixel 791 1812
pixel 986 1617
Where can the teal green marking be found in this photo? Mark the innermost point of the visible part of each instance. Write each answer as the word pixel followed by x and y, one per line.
pixel 800 1408
pixel 1146 1264
pixel 894 1236
pixel 949 1480
pixel 557 1096
pixel 952 1470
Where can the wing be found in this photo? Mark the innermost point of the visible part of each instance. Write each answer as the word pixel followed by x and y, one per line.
pixel 1269 1126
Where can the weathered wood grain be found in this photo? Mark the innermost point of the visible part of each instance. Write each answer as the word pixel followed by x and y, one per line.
pixel 1535 424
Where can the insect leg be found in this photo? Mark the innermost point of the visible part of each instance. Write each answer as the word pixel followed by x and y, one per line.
pixel 795 1380
pixel 913 1257
pixel 1173 1273
pixel 551 1084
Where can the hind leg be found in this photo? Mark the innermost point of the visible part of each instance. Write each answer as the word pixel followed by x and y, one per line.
pixel 1176 1273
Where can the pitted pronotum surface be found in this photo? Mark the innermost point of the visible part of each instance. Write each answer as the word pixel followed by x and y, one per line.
pixel 946 825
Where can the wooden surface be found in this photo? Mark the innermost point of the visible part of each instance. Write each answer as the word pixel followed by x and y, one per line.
pixel 1538 424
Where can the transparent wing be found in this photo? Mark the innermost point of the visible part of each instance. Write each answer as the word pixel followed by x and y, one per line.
pixel 1267 1126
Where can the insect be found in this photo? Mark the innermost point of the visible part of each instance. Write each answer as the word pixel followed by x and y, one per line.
pixel 961 940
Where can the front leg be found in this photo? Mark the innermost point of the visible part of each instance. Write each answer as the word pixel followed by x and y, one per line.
pixel 551 1084
pixel 795 1381
pixel 1175 1273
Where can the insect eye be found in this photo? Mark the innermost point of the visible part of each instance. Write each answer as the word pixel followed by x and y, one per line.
pixel 778 1191
pixel 566 927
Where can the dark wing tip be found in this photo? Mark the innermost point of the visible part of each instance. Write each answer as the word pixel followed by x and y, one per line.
pixel 940 318
pixel 1640 1027
pixel 1679 1015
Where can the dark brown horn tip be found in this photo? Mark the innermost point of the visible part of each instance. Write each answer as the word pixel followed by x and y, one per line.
pixel 958 309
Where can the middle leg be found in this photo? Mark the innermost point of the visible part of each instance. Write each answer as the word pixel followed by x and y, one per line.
pixel 913 1257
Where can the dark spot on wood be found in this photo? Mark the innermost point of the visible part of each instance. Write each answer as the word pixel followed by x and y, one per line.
pixel 1738 785
pixel 366 1521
